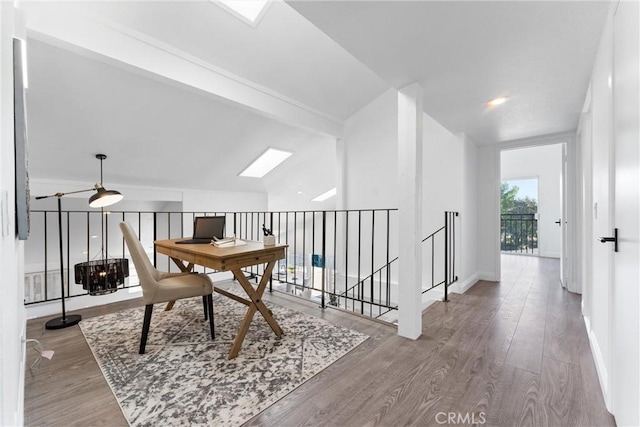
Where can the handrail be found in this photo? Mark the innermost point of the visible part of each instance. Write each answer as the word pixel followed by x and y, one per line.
pixel 448 276
pixel 368 277
pixel 211 213
pixel 433 234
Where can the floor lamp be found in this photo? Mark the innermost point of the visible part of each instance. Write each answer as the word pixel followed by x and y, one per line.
pixel 100 199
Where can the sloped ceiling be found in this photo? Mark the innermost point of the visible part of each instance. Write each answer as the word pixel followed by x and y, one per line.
pixel 160 134
pixel 284 53
pixel 154 134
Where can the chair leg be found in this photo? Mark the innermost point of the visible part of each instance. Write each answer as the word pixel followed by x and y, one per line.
pixel 145 327
pixel 204 306
pixel 212 326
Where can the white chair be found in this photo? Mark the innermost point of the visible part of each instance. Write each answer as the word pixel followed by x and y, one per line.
pixel 158 286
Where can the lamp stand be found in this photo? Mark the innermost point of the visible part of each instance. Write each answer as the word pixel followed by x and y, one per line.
pixel 73 319
pixel 103 197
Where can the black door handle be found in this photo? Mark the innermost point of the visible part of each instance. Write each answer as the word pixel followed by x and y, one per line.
pixel 558 222
pixel 613 239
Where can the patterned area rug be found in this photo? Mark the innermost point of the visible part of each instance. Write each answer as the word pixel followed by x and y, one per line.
pixel 185 378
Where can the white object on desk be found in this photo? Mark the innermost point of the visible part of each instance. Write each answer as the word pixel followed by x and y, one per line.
pixel 269 240
pixel 228 243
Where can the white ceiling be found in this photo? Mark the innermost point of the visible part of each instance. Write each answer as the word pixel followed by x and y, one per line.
pixel 464 54
pixel 284 52
pixel 160 134
pixel 155 134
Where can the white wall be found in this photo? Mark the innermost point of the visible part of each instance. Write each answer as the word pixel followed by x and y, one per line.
pixel 371 155
pixel 469 216
pixel 442 190
pixel 544 163
pixel 12 312
pixel 488 182
pixel 442 174
pixel 369 152
pixel 584 206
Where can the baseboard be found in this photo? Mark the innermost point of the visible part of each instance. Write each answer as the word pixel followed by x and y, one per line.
pixel 550 255
pixel 488 276
pixel 601 369
pixel 49 308
pixel 392 316
pixel 462 287
pixel 428 302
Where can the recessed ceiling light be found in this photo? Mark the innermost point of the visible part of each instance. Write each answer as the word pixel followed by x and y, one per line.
pixel 497 101
pixel 299 192
pixel 324 196
pixel 249 11
pixel 265 163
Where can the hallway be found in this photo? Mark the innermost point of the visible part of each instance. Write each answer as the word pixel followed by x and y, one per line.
pixel 503 354
pixel 531 363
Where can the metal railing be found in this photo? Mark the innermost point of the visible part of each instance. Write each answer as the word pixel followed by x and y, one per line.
pixel 445 236
pixel 362 293
pixel 344 258
pixel 328 251
pixel 518 233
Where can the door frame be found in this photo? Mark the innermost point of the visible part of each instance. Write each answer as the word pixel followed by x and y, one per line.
pixel 571 261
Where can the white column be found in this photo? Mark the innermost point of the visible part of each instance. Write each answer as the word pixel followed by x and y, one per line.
pixel 341 182
pixel 410 211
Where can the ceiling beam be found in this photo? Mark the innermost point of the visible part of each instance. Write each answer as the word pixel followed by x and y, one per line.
pixel 133 51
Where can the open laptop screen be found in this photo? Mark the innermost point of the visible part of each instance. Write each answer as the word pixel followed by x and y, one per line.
pixel 206 227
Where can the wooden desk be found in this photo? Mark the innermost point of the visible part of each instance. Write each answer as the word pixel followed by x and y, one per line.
pixel 234 259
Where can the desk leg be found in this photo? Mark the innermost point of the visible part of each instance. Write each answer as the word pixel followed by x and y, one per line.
pixel 256 305
pixel 185 269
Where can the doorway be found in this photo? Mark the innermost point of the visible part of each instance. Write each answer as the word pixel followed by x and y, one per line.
pixel 532 200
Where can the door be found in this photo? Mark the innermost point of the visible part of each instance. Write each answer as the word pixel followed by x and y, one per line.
pixel 562 220
pixel 625 292
pixel 601 225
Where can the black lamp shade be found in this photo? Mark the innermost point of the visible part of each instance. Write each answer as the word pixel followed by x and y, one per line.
pixel 102 276
pixel 104 198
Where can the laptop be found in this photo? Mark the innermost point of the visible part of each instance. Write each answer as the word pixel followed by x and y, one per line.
pixel 205 228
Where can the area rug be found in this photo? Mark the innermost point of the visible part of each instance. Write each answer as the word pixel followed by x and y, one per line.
pixel 185 378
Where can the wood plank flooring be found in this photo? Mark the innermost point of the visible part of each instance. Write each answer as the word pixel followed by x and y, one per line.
pixel 509 353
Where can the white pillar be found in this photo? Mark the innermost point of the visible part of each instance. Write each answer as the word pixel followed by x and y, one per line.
pixel 410 211
pixel 341 182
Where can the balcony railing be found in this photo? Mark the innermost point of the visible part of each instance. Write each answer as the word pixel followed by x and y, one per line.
pixel 519 233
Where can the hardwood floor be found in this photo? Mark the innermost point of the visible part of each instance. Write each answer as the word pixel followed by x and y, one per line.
pixel 509 353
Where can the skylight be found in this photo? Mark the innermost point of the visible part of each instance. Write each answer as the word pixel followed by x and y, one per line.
pixel 324 196
pixel 265 163
pixel 249 11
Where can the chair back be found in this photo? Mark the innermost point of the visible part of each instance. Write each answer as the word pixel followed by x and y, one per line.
pixel 147 273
